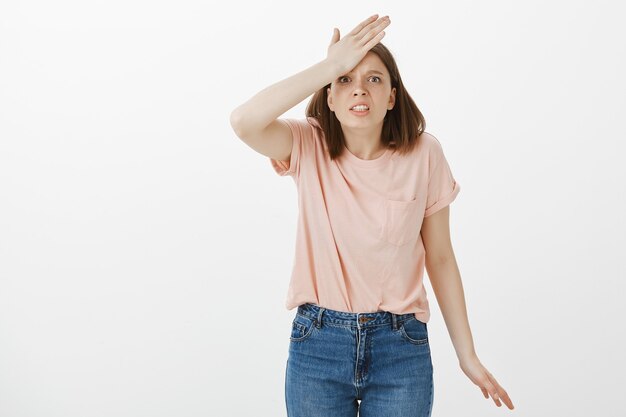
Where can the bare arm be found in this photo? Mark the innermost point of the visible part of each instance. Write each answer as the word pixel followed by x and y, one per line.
pixel 264 107
pixel 446 282
pixel 445 279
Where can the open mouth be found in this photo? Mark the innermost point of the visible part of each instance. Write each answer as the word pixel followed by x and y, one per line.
pixel 360 109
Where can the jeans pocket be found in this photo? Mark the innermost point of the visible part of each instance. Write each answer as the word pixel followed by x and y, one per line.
pixel 301 328
pixel 414 331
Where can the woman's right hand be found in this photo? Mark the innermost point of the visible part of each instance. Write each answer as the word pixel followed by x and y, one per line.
pixel 346 53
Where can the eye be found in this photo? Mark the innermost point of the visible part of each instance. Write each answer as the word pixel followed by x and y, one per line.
pixel 345 76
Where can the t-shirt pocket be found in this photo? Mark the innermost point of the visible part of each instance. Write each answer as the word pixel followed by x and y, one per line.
pixel 402 221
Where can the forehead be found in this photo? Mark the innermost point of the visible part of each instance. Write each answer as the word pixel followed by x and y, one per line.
pixel 371 62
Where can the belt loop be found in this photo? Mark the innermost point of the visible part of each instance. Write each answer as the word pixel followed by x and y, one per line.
pixel 318 322
pixel 394 321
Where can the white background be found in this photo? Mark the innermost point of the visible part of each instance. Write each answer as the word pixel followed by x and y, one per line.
pixel 145 250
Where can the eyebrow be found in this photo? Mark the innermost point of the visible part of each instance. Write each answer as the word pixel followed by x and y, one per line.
pixel 370 72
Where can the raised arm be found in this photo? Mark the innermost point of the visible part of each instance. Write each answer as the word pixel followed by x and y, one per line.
pixel 255 121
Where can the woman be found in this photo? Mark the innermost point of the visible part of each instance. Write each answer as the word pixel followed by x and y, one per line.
pixel 373 194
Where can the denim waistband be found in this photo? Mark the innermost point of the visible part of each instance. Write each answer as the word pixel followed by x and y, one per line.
pixel 360 320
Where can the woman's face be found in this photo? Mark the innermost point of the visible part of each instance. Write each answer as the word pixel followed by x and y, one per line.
pixel 368 83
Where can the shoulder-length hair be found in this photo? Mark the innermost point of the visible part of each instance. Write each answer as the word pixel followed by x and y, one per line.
pixel 403 124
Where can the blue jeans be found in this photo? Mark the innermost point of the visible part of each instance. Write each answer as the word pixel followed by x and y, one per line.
pixel 374 364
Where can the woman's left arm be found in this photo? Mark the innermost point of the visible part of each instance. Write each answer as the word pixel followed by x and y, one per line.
pixel 445 279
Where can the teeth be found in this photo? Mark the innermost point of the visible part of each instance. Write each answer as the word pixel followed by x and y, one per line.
pixel 360 108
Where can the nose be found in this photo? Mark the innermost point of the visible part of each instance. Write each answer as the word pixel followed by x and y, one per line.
pixel 359 90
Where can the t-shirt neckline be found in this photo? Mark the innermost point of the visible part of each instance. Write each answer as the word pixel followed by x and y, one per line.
pixel 365 163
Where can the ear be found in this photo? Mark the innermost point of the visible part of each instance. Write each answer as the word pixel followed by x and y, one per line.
pixel 329 100
pixel 392 99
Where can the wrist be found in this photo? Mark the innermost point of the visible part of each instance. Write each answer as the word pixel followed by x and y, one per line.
pixel 467 356
pixel 332 68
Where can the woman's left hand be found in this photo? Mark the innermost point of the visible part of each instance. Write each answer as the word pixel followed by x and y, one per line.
pixel 480 376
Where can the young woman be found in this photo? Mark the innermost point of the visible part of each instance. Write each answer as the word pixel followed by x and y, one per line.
pixel 373 196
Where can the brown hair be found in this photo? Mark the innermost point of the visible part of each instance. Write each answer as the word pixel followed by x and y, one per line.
pixel 403 124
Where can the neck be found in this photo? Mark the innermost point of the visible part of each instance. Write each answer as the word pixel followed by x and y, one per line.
pixel 364 143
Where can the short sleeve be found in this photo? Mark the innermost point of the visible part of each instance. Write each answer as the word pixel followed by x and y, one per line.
pixel 442 187
pixel 300 128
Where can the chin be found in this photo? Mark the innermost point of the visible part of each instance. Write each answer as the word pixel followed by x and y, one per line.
pixel 351 120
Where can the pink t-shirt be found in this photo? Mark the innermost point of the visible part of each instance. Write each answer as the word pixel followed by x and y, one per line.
pixel 358 243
